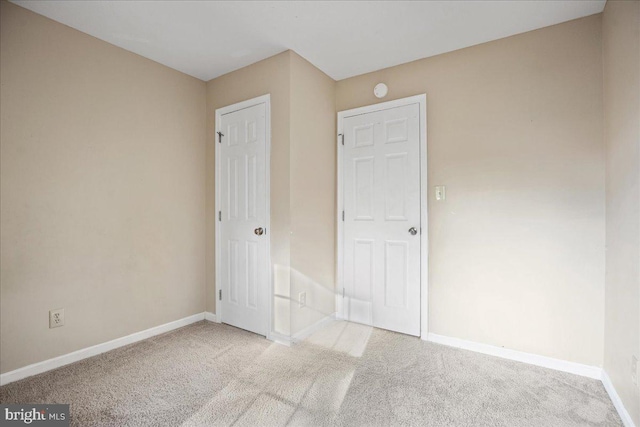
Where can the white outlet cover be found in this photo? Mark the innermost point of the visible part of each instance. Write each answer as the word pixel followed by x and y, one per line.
pixel 302 299
pixel 56 318
pixel 441 193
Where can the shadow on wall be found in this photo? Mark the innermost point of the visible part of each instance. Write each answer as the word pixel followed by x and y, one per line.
pixel 281 299
pixel 311 301
pixel 290 316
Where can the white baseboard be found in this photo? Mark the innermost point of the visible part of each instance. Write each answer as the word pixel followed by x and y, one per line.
pixel 56 362
pixel 520 356
pixel 617 402
pixel 533 359
pixel 273 336
pixel 279 338
pixel 303 334
pixel 546 362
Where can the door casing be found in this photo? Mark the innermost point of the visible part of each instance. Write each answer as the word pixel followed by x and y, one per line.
pixel 264 99
pixel 424 238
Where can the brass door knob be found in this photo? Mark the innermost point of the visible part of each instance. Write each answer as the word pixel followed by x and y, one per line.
pixel 259 231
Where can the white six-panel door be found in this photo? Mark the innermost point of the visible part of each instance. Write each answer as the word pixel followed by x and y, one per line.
pixel 242 245
pixel 382 230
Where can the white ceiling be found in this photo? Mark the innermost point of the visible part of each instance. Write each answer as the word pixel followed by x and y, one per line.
pixel 209 38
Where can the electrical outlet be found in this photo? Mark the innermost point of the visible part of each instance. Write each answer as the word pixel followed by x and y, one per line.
pixel 56 318
pixel 302 299
pixel 634 369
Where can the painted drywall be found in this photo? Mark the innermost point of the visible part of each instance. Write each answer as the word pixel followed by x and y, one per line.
pixel 103 190
pixel 514 132
pixel 313 193
pixel 104 202
pixel 271 76
pixel 621 56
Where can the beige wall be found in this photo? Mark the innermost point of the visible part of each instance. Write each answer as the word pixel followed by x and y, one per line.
pixel 621 49
pixel 272 76
pixel 515 134
pixel 102 188
pixel 313 193
pixel 105 204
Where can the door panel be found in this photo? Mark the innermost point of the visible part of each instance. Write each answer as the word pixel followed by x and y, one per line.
pixel 233 271
pixel 381 188
pixel 395 274
pixel 244 270
pixel 363 280
pixel 395 187
pixel 363 188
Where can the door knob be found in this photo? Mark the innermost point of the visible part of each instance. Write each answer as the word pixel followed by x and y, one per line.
pixel 259 231
pixel 413 231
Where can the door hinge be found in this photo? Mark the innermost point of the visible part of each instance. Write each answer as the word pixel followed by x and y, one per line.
pixel 341 137
pixel 219 215
pixel 220 135
pixel 342 216
pixel 220 294
pixel 342 292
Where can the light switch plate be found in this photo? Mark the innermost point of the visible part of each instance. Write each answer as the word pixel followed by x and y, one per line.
pixel 440 192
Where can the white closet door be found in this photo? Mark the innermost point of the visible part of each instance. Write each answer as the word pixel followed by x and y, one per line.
pixel 243 245
pixel 381 189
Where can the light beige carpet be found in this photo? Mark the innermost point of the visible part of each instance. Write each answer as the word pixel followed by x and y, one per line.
pixel 208 374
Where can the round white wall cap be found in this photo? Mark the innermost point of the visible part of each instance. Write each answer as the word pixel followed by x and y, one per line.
pixel 380 91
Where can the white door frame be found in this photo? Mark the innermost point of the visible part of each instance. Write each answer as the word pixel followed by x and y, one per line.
pixel 424 237
pixel 266 100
